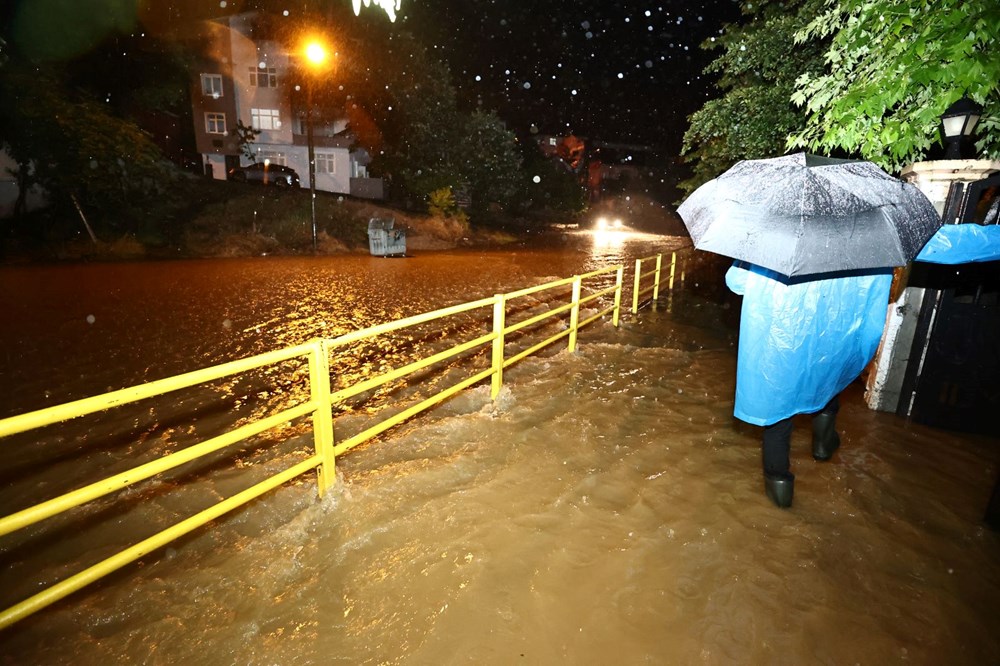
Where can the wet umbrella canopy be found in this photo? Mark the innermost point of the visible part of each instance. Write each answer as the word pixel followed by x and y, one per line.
pixel 801 214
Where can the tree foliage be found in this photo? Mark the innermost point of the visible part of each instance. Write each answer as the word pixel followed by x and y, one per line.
pixel 68 142
pixel 430 141
pixel 892 68
pixel 489 160
pixel 548 185
pixel 756 71
pixel 866 78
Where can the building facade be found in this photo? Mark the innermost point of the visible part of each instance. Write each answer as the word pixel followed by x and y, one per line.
pixel 244 78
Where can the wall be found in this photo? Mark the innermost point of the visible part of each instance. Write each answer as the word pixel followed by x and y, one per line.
pixel 885 380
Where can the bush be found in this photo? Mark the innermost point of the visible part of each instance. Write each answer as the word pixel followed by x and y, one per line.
pixel 443 205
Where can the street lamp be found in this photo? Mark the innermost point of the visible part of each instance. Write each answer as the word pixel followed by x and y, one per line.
pixel 957 123
pixel 316 57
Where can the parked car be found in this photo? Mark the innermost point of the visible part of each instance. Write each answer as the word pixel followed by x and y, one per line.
pixel 265 174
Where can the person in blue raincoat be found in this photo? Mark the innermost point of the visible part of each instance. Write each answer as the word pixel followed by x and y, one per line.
pixel 802 341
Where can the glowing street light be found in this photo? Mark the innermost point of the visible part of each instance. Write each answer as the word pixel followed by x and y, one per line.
pixel 316 56
pixel 315 53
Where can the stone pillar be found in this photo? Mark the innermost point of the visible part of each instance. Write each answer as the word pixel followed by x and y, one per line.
pixel 885 379
pixel 934 179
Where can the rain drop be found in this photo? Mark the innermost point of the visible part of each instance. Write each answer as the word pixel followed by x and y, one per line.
pixel 91 319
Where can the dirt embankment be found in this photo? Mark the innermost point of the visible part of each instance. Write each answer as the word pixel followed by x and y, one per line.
pixel 267 221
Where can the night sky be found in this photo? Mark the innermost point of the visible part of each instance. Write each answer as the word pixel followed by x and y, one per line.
pixel 626 72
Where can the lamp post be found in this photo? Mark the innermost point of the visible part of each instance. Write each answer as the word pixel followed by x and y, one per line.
pixel 957 122
pixel 316 56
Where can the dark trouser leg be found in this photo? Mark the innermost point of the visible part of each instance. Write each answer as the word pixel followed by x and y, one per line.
pixel 825 437
pixel 779 482
pixel 777 442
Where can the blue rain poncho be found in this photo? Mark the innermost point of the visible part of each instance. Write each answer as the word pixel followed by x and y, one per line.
pixel 803 341
pixel 961 244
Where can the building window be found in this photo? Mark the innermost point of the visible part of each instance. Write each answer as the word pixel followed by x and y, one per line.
pixel 265 119
pixel 272 157
pixel 264 77
pixel 326 163
pixel 215 123
pixel 211 85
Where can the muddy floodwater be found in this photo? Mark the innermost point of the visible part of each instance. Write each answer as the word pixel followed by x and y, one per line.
pixel 606 509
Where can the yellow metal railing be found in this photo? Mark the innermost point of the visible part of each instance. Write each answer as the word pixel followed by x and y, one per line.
pixel 322 459
pixel 322 399
pixel 638 291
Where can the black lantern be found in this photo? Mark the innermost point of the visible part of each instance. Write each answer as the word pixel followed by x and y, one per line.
pixel 957 123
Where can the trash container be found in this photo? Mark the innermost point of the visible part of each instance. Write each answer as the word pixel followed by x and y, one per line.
pixel 383 240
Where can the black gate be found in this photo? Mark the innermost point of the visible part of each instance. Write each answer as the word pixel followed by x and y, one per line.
pixel 953 375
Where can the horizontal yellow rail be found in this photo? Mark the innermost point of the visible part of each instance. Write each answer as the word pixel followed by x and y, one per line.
pixel 399 373
pixel 408 413
pixel 319 405
pixel 71 410
pixel 38 512
pixel 103 568
pixel 356 336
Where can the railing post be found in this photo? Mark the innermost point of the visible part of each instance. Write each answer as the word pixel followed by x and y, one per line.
pixel 574 314
pixel 619 281
pixel 319 384
pixel 635 286
pixel 673 268
pixel 499 323
pixel 656 283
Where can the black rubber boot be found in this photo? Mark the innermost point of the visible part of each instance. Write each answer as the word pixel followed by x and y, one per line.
pixel 780 488
pixel 825 437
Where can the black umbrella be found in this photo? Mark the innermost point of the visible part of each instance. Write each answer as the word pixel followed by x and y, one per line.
pixel 801 214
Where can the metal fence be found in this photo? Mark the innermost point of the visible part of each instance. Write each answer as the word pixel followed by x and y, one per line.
pixel 568 318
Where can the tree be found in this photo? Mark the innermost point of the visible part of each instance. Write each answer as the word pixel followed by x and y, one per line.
pixel 757 70
pixel 68 143
pixel 430 142
pixel 428 136
pixel 892 68
pixel 245 137
pixel 489 161
pixel 549 185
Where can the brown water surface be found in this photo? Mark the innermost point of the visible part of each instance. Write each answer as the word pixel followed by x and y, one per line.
pixel 607 509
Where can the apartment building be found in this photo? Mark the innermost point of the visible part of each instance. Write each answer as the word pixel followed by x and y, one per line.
pixel 244 76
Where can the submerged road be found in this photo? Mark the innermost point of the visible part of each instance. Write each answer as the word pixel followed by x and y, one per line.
pixel 606 509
